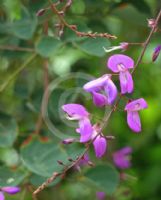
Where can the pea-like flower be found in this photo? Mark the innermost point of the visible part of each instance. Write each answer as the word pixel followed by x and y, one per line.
pixel 133 118
pixel 121 158
pixel 156 53
pixel 102 84
pixel 121 64
pixel 78 112
pixel 9 190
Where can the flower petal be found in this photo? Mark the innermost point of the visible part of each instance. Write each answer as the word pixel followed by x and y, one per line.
pixel 119 59
pixel 133 121
pixel 126 82
pixel 100 145
pixel 99 99
pixel 97 84
pixel 1 196
pixel 100 195
pixel 85 129
pixel 138 104
pixel 75 111
pixel 11 189
pixel 111 91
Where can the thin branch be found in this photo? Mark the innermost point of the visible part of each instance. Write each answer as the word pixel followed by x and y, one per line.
pixel 16 48
pixel 5 84
pixel 147 41
pixel 74 28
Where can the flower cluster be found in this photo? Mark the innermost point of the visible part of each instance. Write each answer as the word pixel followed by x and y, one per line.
pixel 9 190
pixel 104 92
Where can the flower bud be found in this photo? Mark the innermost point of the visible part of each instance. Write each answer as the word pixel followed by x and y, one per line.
pixel 156 53
pixel 40 12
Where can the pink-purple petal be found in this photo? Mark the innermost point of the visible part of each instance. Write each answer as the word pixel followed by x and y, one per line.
pixel 121 60
pixel 2 196
pixel 75 111
pixel 97 84
pixel 100 195
pixel 99 100
pixel 126 82
pixel 133 121
pixel 11 189
pixel 85 129
pixel 100 145
pixel 121 158
pixel 111 91
pixel 136 105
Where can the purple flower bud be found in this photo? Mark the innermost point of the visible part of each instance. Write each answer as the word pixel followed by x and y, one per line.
pixel 121 158
pixel 133 118
pixel 156 53
pixel 40 12
pixel 68 141
pixel 100 195
pixel 151 23
pixel 75 111
pixel 11 189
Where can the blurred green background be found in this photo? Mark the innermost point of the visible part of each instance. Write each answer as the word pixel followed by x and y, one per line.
pixel 26 158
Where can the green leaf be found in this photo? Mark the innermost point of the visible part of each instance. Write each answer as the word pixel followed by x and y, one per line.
pixel 105 177
pixel 47 46
pixel 41 157
pixel 23 28
pixel 11 177
pixel 94 46
pixel 13 8
pixel 8 130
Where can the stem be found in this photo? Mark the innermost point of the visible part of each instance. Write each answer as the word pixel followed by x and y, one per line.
pixel 5 84
pixel 16 48
pixel 147 41
pixel 74 28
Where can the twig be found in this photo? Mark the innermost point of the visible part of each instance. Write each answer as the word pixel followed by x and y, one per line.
pixel 74 28
pixel 16 48
pixel 5 84
pixel 145 44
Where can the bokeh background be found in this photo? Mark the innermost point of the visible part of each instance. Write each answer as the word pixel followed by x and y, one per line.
pixel 29 148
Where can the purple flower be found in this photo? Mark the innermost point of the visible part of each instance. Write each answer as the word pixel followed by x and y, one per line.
pixel 121 158
pixel 119 63
pixel 100 195
pixel 78 112
pixel 156 53
pixel 133 118
pixel 9 190
pixel 104 84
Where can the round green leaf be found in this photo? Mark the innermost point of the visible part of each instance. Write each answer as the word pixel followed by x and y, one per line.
pixel 41 157
pixel 11 177
pixel 94 46
pixel 8 130
pixel 47 46
pixel 105 177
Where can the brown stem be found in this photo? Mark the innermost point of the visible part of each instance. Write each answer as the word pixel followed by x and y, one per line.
pixel 147 41
pixel 16 48
pixel 74 28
